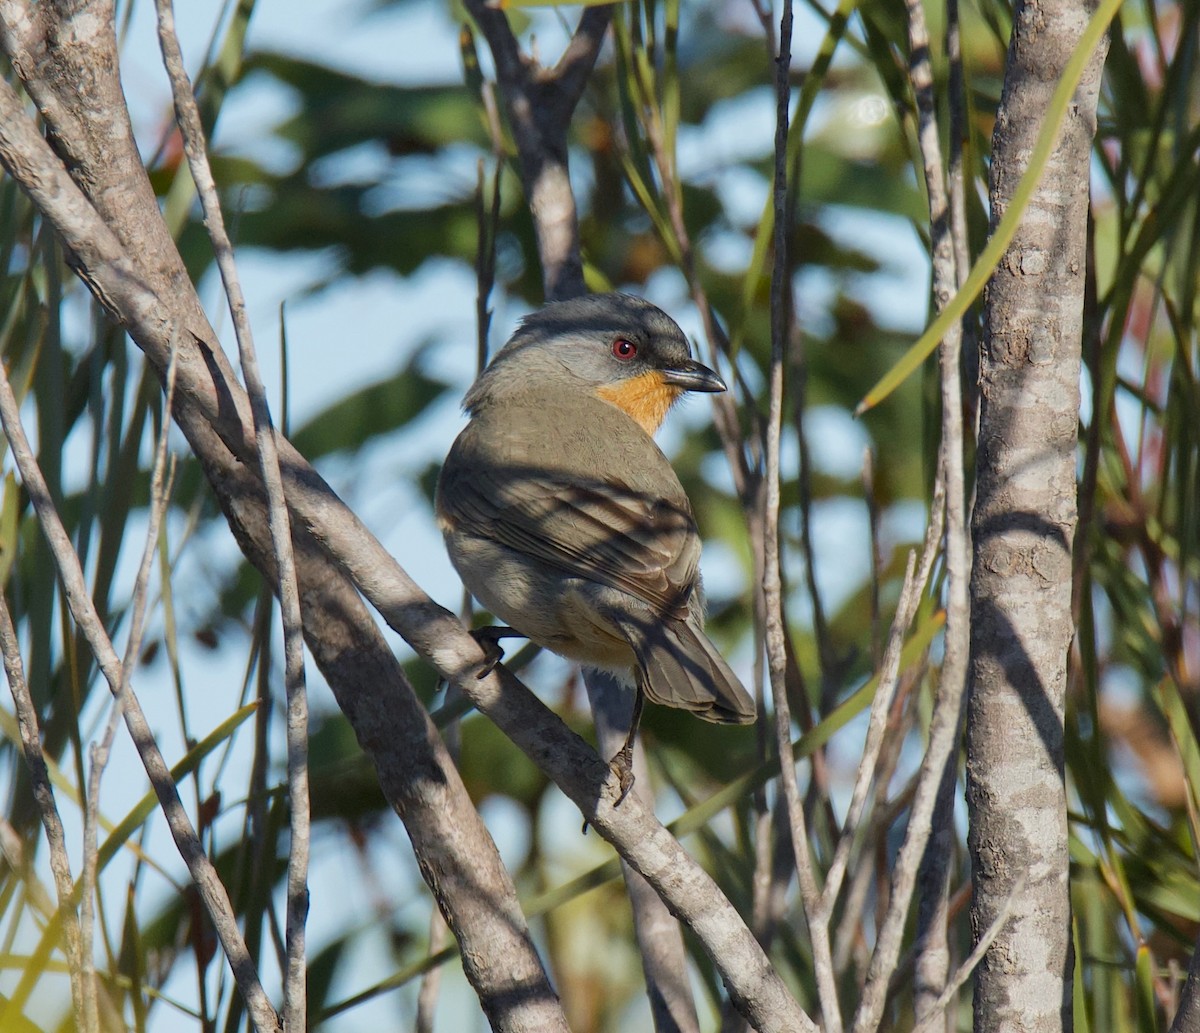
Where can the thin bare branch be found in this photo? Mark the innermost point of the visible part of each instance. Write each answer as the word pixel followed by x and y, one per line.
pixel 889 676
pixel 938 1006
pixel 943 738
pixel 868 483
pixel 933 956
pixel 99 754
pixel 660 943
pixel 188 116
pixel 97 760
pixel 43 794
pixel 776 631
pixel 431 981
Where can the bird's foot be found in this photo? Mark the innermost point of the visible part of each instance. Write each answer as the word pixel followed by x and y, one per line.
pixel 622 766
pixel 622 763
pixel 489 641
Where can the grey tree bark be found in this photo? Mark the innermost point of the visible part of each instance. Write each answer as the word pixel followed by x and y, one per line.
pixel 1023 526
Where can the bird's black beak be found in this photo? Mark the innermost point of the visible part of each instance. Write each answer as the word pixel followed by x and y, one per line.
pixel 693 376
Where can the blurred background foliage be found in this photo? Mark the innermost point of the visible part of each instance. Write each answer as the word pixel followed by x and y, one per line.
pixel 397 176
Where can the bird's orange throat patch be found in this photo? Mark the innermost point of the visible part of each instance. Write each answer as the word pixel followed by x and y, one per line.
pixel 646 397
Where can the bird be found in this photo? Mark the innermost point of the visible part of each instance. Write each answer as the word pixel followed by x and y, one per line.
pixel 564 518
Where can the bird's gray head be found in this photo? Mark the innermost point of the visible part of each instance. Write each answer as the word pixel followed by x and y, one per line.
pixel 620 347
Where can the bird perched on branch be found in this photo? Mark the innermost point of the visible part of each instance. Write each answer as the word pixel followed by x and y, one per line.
pixel 565 519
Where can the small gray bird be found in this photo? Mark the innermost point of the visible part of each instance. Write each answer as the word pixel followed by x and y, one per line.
pixel 565 519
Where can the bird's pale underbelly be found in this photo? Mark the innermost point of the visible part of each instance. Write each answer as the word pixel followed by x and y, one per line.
pixel 552 609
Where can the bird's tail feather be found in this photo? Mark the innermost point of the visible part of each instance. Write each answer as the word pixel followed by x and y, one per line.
pixel 679 667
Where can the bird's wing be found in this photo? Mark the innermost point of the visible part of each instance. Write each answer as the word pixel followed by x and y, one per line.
pixel 599 529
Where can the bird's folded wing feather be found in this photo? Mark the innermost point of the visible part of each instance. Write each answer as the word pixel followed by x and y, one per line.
pixel 601 530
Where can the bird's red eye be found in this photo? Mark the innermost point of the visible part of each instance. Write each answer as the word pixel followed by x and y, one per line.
pixel 624 349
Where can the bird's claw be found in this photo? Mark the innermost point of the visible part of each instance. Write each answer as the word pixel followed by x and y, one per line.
pixel 488 640
pixel 622 767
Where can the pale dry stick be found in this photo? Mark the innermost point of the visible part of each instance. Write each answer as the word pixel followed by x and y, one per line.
pixel 97 758
pixel 487 223
pixel 190 126
pixel 933 951
pixel 776 631
pixel 660 942
pixel 868 484
pixel 431 981
pixel 160 492
pixel 956 177
pixel 943 739
pixel 43 794
pixel 162 477
pixel 929 1024
pixel 820 623
pixel 889 676
pixel 772 870
pixel 848 944
pixel 84 612
pixel 848 940
pixel 209 394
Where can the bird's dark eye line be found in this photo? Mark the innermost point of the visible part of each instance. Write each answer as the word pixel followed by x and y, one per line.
pixel 624 349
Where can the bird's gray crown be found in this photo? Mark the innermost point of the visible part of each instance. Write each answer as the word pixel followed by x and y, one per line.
pixel 570 342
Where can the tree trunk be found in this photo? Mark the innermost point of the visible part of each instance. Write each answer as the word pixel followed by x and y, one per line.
pixel 1023 526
